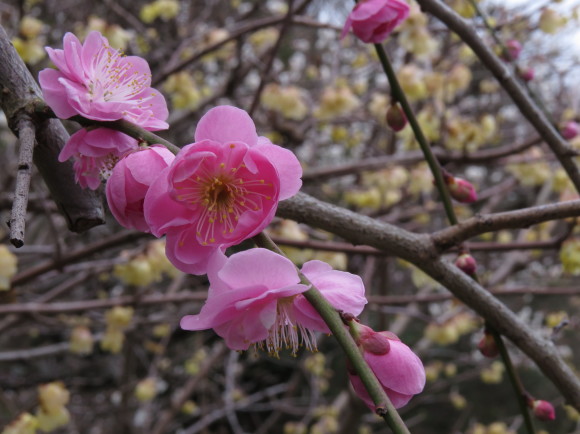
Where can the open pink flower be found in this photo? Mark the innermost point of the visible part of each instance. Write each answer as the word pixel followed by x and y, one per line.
pixel 250 301
pixel 397 368
pixel 344 291
pixel 374 20
pixel 220 190
pixel 95 81
pixel 95 153
pixel 129 182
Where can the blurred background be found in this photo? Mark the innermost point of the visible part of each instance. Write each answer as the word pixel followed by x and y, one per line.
pixel 103 331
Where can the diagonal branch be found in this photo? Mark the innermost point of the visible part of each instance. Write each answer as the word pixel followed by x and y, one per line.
pixel 480 224
pixel 420 251
pixel 526 105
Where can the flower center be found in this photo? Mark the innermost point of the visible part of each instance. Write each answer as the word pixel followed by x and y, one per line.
pixel 221 194
pixel 115 79
pixel 285 333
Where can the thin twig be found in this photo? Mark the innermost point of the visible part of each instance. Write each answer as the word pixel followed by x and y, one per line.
pixel 26 133
pixel 523 101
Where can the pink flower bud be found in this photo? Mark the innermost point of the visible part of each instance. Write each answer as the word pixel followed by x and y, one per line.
pixel 397 368
pixel 526 74
pixel 487 346
pixel 570 130
pixel 374 20
pixel 466 263
pixel 130 181
pixel 543 410
pixel 396 118
pixel 514 48
pixel 460 189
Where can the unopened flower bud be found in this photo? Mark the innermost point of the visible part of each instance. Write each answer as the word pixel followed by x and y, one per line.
pixel 570 130
pixel 514 48
pixel 460 189
pixel 396 118
pixel 466 263
pixel 543 410
pixel 487 346
pixel 526 74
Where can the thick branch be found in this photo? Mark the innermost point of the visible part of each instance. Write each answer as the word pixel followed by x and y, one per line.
pixel 420 251
pixel 523 218
pixel 18 94
pixel 521 98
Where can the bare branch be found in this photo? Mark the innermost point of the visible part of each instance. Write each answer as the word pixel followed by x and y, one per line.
pixel 528 108
pixel 17 222
pixel 420 251
pixel 18 95
pixel 480 224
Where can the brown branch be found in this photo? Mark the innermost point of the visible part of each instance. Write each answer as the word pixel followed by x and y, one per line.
pixel 26 132
pixel 477 246
pixel 544 291
pixel 420 251
pixel 480 224
pixel 18 94
pixel 266 72
pixel 409 158
pixel 78 306
pixel 234 35
pixel 115 240
pixel 183 394
pixel 510 84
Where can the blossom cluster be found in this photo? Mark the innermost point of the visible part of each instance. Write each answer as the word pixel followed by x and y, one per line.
pixel 215 193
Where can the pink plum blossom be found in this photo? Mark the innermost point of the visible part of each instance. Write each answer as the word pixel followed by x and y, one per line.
pixel 95 152
pixel 397 368
pixel 250 300
pixel 129 182
pixel 344 291
pixel 372 21
pixel 95 81
pixel 220 190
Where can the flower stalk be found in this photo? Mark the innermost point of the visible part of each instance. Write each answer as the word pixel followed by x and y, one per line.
pixel 436 170
pixel 385 408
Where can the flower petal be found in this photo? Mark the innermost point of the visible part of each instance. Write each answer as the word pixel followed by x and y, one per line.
pixel 227 123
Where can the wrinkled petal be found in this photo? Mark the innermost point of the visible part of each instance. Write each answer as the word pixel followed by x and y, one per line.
pixel 286 164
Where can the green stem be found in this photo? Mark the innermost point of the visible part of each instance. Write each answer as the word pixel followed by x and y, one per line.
pixel 399 96
pixel 514 379
pixel 331 317
pixel 131 130
pixel 433 163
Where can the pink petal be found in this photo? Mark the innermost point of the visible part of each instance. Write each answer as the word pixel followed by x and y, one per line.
pixel 54 93
pixel 400 369
pixel 267 268
pixel 286 164
pixel 224 124
pixel 183 251
pixel 161 211
pixel 397 399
